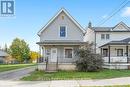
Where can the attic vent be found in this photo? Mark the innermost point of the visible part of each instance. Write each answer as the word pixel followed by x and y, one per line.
pixel 62 17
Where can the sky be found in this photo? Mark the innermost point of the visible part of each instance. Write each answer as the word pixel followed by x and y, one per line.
pixel 32 15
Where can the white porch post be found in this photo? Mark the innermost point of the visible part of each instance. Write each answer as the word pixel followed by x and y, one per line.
pixel 127 53
pixel 43 53
pixel 39 53
pixel 109 48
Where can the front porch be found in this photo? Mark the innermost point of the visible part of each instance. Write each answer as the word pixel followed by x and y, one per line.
pixel 116 54
pixel 59 55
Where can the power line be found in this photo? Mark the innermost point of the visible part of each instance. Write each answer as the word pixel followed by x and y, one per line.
pixel 122 5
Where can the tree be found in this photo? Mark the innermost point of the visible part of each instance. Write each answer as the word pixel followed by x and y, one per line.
pixel 19 50
pixel 6 48
pixel 88 61
pixel 34 55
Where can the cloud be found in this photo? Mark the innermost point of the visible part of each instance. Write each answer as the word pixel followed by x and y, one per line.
pixel 104 16
pixel 126 12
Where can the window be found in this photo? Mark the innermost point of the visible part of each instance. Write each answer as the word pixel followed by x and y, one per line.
pixel 62 31
pixel 107 36
pixel 119 52
pixel 68 53
pixel 62 17
pixel 47 51
pixel 102 36
pixel 105 52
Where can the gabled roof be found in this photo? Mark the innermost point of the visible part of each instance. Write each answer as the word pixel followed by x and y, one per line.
pixel 119 42
pixel 53 18
pixel 101 28
pixel 123 24
pixel 3 54
pixel 110 29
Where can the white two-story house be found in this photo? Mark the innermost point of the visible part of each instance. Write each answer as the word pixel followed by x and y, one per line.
pixel 113 43
pixel 60 38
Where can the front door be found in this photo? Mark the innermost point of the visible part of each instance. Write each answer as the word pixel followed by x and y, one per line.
pixel 53 54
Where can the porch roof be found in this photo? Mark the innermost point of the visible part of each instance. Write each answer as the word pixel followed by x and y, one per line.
pixel 61 42
pixel 119 42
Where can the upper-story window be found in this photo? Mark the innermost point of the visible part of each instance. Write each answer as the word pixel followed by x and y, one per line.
pixel 62 31
pixel 102 36
pixel 107 36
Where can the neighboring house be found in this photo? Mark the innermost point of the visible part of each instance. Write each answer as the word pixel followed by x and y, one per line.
pixel 59 39
pixel 113 43
pixel 3 56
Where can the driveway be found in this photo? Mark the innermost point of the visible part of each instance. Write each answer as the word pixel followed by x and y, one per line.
pixel 16 74
pixel 66 83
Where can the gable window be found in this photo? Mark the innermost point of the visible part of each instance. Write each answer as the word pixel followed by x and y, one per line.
pixel 62 31
pixel 119 52
pixel 105 52
pixel 102 36
pixel 107 36
pixel 62 17
pixel 68 52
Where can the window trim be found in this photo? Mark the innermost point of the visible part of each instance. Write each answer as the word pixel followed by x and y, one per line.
pixel 122 52
pixel 68 48
pixel 102 38
pixel 106 36
pixel 103 52
pixel 65 30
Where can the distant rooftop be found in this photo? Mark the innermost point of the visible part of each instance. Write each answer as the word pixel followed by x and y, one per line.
pixel 2 53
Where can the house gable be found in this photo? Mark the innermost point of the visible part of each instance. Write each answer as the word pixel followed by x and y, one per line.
pixel 121 27
pixel 51 31
pixel 53 19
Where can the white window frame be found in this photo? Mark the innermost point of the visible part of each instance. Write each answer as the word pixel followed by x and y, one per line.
pixel 65 30
pixel 68 48
pixel 104 37
pixel 121 53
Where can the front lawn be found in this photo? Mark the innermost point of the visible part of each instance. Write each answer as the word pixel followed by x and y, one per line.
pixel 68 75
pixel 13 66
pixel 109 86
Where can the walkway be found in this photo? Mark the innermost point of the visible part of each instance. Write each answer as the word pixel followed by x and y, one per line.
pixel 16 74
pixel 66 83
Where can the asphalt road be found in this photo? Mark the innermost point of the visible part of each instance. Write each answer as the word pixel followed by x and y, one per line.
pixel 16 74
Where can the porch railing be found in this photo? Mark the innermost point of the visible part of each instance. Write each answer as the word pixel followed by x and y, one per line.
pixel 120 59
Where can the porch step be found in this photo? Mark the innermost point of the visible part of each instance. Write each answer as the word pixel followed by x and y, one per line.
pixel 51 67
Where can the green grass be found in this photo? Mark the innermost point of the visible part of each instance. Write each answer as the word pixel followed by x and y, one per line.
pixel 13 66
pixel 109 86
pixel 69 75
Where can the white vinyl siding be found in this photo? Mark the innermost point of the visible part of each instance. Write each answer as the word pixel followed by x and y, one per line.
pixel 53 30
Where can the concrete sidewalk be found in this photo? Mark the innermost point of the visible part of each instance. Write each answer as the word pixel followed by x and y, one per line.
pixel 66 83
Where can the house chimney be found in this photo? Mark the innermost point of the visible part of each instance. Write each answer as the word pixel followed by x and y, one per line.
pixel 89 24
